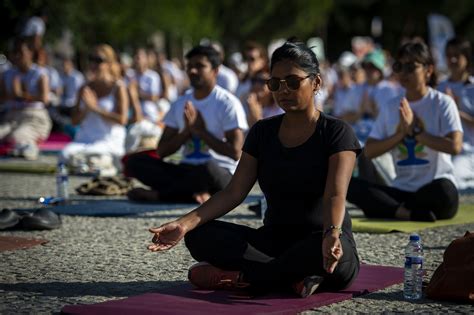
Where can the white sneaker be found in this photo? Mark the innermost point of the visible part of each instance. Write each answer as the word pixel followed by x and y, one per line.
pixel 30 152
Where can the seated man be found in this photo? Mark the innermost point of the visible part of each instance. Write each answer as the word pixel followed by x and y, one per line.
pixel 208 123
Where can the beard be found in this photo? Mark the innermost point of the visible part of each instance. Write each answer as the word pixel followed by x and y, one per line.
pixel 196 82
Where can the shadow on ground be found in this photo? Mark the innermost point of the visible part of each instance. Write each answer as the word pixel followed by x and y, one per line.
pixel 101 288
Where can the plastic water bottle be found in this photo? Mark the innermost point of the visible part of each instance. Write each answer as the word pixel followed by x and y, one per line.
pixel 412 286
pixel 263 208
pixel 62 182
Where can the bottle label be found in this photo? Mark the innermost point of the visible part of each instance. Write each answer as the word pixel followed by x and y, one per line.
pixel 62 178
pixel 414 262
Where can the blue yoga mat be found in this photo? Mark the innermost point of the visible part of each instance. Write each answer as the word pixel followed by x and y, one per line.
pixel 117 208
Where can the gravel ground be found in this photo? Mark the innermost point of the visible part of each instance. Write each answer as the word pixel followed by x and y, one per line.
pixel 90 259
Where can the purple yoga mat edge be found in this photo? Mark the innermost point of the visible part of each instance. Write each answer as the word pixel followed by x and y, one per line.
pixel 184 300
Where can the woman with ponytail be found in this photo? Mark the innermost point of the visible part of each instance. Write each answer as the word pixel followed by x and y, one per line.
pixel 101 110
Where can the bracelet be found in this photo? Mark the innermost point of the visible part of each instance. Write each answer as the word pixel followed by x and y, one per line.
pixel 332 227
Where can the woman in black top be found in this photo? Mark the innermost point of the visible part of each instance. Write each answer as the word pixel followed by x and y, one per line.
pixel 303 161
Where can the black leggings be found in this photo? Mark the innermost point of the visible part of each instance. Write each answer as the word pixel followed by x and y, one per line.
pixel 291 253
pixel 440 197
pixel 177 183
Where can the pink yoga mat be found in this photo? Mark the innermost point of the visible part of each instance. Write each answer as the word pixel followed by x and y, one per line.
pixel 185 299
pixel 55 142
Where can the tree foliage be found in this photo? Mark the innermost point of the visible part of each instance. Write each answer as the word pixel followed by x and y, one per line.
pixel 127 23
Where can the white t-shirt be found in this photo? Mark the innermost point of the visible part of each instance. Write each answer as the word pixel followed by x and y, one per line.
pixel 347 100
pixel 95 128
pixel 464 91
pixel 71 83
pixel 150 83
pixel 221 112
pixel 30 80
pixel 54 78
pixel 415 164
pixel 383 92
pixel 227 79
pixel 243 88
pixel 34 26
pixel 7 78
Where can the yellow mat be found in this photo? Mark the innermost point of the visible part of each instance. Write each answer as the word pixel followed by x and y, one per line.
pixel 465 215
pixel 30 167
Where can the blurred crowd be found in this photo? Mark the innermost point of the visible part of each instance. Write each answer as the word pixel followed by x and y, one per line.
pixel 116 106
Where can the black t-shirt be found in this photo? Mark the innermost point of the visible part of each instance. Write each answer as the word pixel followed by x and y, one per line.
pixel 293 179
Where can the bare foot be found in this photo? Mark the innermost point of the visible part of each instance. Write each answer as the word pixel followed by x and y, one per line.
pixel 143 195
pixel 201 197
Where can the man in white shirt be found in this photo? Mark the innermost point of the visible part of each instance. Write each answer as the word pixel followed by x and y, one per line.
pixel 207 123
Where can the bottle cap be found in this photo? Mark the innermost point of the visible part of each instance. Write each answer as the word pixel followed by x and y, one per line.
pixel 414 237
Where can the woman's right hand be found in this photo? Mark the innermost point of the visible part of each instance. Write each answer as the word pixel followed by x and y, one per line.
pixel 166 236
pixel 90 99
pixel 407 117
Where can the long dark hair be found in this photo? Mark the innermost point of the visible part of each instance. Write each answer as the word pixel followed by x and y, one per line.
pixel 418 52
pixel 298 53
pixel 463 46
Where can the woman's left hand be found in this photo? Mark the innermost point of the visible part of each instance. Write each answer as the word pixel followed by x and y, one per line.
pixel 332 252
pixel 90 99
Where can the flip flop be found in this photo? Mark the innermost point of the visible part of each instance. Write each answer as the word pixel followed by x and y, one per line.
pixel 8 219
pixel 42 219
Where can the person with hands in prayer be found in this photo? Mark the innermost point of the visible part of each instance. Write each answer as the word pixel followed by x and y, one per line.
pixel 422 131
pixel 303 160
pixel 208 123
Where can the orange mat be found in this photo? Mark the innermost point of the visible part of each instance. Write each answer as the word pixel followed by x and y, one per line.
pixel 12 243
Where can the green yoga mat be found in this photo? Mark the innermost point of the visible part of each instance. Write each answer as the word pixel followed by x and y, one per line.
pixel 30 167
pixel 465 215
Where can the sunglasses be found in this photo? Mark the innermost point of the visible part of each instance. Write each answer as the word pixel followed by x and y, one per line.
pixel 292 82
pixel 407 67
pixel 96 59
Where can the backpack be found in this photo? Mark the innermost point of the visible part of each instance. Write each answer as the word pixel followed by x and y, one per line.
pixel 454 279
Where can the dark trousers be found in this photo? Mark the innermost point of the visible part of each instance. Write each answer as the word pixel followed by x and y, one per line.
pixel 440 197
pixel 60 116
pixel 294 252
pixel 177 183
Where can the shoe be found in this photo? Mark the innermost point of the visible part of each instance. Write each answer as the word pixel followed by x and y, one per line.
pixel 8 219
pixel 207 277
pixel 41 219
pixel 307 286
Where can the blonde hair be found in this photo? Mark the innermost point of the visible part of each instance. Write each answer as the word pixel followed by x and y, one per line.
pixel 110 57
